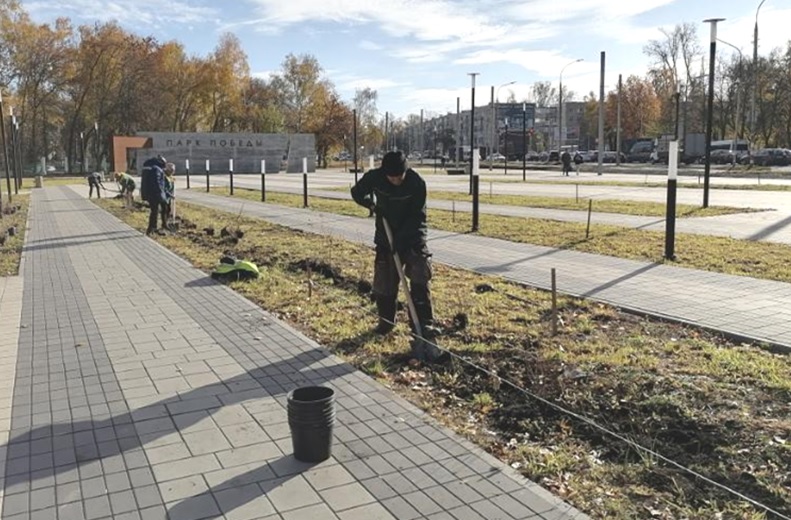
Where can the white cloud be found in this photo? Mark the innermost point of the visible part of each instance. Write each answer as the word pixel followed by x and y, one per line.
pixel 370 46
pixel 263 74
pixel 127 12
pixel 351 82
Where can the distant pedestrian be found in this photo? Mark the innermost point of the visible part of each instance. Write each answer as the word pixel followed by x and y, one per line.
pixel 127 185
pixel 578 160
pixel 565 158
pixel 95 181
pixel 152 190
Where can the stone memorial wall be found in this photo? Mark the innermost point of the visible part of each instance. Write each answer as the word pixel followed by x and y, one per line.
pixel 282 152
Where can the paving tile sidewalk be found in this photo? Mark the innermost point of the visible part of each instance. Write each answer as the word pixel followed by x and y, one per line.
pixel 144 390
pixel 748 308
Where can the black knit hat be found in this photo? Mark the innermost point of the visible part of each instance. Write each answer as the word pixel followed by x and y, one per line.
pixel 394 164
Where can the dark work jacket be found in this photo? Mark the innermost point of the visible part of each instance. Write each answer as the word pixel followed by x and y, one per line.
pixel 404 207
pixel 152 181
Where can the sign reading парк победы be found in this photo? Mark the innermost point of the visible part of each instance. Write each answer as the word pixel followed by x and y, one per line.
pixel 282 152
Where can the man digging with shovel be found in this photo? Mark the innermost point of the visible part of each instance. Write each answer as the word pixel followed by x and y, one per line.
pixel 397 194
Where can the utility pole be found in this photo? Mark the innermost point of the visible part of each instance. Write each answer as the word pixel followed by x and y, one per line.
pixel 472 76
pixel 420 139
pixel 710 107
pixel 458 130
pixel 618 125
pixel 354 138
pixel 5 149
pixel 494 143
pixel 754 74
pixel 524 141
pixel 601 116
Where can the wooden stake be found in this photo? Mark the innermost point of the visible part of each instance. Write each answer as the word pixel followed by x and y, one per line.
pixel 554 304
pixel 588 229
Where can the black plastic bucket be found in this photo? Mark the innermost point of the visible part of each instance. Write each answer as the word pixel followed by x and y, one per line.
pixel 311 417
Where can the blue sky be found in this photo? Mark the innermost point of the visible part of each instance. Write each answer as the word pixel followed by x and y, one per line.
pixel 417 53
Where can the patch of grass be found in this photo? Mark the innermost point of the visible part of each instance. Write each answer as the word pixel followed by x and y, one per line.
pixel 11 247
pixel 765 260
pixel 714 406
pixel 626 207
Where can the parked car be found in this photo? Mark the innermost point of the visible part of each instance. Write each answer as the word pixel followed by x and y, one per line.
pixel 496 157
pixel 533 156
pixel 641 152
pixel 722 157
pixel 772 157
pixel 608 157
pixel 554 156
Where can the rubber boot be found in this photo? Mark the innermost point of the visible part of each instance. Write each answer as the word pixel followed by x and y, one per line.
pixel 386 309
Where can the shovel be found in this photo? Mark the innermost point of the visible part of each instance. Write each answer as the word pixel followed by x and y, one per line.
pixel 422 349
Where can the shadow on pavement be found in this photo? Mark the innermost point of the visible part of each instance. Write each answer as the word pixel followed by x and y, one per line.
pixel 77 443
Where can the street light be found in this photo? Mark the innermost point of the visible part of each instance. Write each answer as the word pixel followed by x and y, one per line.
pixel 710 106
pixel 495 129
pixel 5 150
pixel 755 71
pixel 560 104
pixel 472 76
pixel 738 95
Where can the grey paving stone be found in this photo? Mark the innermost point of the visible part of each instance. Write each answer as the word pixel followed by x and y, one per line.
pixel 346 496
pixel 291 493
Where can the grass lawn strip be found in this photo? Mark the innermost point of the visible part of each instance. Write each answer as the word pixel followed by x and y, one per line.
pixel 625 207
pixel 11 246
pixel 765 260
pixel 722 409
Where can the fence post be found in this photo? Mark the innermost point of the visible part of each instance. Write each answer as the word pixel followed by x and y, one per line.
pixel 230 172
pixel 305 182
pixel 263 180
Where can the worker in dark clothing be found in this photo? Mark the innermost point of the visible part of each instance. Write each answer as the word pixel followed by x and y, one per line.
pixel 152 190
pixel 565 158
pixel 95 181
pixel 398 194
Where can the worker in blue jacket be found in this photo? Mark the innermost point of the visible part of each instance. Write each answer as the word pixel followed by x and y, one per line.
pixel 152 190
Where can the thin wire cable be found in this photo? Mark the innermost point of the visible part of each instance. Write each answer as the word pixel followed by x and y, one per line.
pixel 580 417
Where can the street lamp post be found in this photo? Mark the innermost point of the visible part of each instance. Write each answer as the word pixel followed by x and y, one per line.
pixel 96 143
pixel 354 138
pixel 472 76
pixel 524 141
pixel 435 148
pixel 737 125
pixel 755 72
pixel 5 148
pixel 82 153
pixel 495 128
pixel 505 146
pixel 710 107
pixel 560 104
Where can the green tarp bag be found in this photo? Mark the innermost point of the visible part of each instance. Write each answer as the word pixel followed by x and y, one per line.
pixel 231 269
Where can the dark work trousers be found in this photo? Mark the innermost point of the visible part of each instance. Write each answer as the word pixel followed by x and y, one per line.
pixel 164 211
pixel 93 184
pixel 152 216
pixel 417 268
